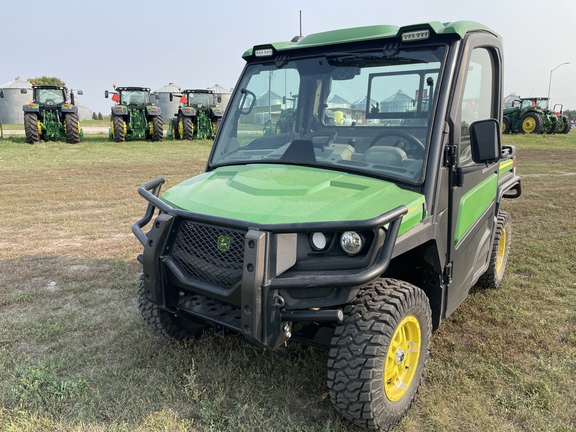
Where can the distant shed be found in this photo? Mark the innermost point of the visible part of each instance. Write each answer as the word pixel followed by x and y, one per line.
pixel 224 95
pixel 13 101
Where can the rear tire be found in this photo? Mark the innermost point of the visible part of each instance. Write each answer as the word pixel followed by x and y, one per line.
pixel 567 125
pixel 163 323
pixel 118 129
pixel 499 256
pixel 187 128
pixel 379 353
pixel 31 128
pixel 158 131
pixel 72 128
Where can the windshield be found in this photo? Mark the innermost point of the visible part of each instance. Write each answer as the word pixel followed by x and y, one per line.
pixel 134 97
pixel 354 111
pixel 50 96
pixel 200 99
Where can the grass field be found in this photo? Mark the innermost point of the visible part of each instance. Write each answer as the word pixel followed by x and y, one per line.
pixel 76 356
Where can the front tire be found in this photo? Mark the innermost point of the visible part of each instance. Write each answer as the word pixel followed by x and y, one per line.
pixel 531 123
pixel 118 129
pixel 31 128
pixel 379 353
pixel 72 128
pixel 163 323
pixel 499 256
pixel 157 131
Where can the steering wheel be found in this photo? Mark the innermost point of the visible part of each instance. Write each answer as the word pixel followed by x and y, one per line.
pixel 412 140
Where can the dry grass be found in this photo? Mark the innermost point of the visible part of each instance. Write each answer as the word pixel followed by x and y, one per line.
pixel 75 356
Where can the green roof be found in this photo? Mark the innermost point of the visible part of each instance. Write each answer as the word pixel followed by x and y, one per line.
pixel 358 34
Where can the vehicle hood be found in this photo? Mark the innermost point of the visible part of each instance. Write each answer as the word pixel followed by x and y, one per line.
pixel 283 194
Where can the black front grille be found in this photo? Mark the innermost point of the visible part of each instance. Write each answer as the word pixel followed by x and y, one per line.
pixel 209 253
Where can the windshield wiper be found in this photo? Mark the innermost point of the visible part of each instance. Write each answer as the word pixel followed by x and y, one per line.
pixel 349 58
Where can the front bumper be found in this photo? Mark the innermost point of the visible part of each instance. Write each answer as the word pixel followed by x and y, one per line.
pixel 250 287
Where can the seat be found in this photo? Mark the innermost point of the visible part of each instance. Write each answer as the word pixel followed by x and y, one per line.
pixel 299 151
pixel 385 155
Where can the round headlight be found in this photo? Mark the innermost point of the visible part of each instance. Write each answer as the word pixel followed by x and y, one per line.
pixel 351 242
pixel 318 241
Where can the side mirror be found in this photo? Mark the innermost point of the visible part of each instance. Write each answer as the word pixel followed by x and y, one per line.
pixel 171 97
pixel 1 93
pixel 485 141
pixel 80 92
pixel 24 91
pixel 106 94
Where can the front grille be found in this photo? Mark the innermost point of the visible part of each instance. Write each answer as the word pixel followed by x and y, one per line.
pixel 210 254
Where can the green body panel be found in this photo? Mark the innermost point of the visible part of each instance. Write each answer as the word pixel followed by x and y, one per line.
pixel 359 34
pixel 473 204
pixel 283 194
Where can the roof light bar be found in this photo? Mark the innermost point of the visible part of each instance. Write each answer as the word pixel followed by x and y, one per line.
pixel 264 52
pixel 415 35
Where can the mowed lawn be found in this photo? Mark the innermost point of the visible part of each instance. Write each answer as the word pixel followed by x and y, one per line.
pixel 76 356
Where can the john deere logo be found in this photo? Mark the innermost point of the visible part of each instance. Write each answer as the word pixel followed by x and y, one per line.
pixel 223 243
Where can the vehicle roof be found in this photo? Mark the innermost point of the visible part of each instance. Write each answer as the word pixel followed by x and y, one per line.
pixel 367 33
pixel 197 91
pixel 133 88
pixel 53 87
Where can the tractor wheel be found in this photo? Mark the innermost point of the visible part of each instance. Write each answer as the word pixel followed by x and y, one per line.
pixel 31 128
pixel 378 354
pixel 531 123
pixel 567 125
pixel 163 323
pixel 187 127
pixel 175 129
pixel 157 131
pixel 118 129
pixel 505 125
pixel 499 256
pixel 72 128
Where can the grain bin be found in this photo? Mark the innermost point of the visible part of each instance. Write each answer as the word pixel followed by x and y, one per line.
pixel 169 108
pixel 13 101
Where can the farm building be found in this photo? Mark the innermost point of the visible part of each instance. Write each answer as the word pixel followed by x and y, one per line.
pixel 224 95
pixel 12 102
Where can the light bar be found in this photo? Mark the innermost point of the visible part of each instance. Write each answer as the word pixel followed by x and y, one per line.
pixel 265 52
pixel 415 35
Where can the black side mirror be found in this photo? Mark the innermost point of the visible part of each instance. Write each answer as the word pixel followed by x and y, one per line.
pixel 106 94
pixel 485 141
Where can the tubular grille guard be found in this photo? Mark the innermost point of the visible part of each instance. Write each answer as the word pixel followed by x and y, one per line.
pixel 210 254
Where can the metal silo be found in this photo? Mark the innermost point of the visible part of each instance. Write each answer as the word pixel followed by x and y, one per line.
pixel 169 108
pixel 13 101
pixel 224 95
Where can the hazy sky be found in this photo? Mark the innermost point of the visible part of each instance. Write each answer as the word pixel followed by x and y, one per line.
pixel 92 44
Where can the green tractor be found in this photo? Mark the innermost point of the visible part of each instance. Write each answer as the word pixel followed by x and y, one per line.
pixel 529 115
pixel 198 115
pixel 51 116
pixel 564 125
pixel 134 117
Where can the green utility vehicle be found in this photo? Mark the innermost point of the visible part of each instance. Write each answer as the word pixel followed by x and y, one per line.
pixel 51 116
pixel 357 237
pixel 198 115
pixel 134 117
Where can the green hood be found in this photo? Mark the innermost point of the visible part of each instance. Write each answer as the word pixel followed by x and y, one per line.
pixel 282 194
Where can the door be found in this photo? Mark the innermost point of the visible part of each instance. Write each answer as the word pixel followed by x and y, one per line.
pixel 472 197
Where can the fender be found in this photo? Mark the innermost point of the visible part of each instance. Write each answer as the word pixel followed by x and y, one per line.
pixel 120 110
pixel 31 107
pixel 69 108
pixel 153 110
pixel 187 111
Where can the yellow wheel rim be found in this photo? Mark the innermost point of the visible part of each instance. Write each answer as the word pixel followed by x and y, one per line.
pixel 529 124
pixel 180 128
pixel 112 127
pixel 402 358
pixel 39 126
pixel 501 251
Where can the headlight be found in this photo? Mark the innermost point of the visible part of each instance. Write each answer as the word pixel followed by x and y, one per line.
pixel 318 241
pixel 351 242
